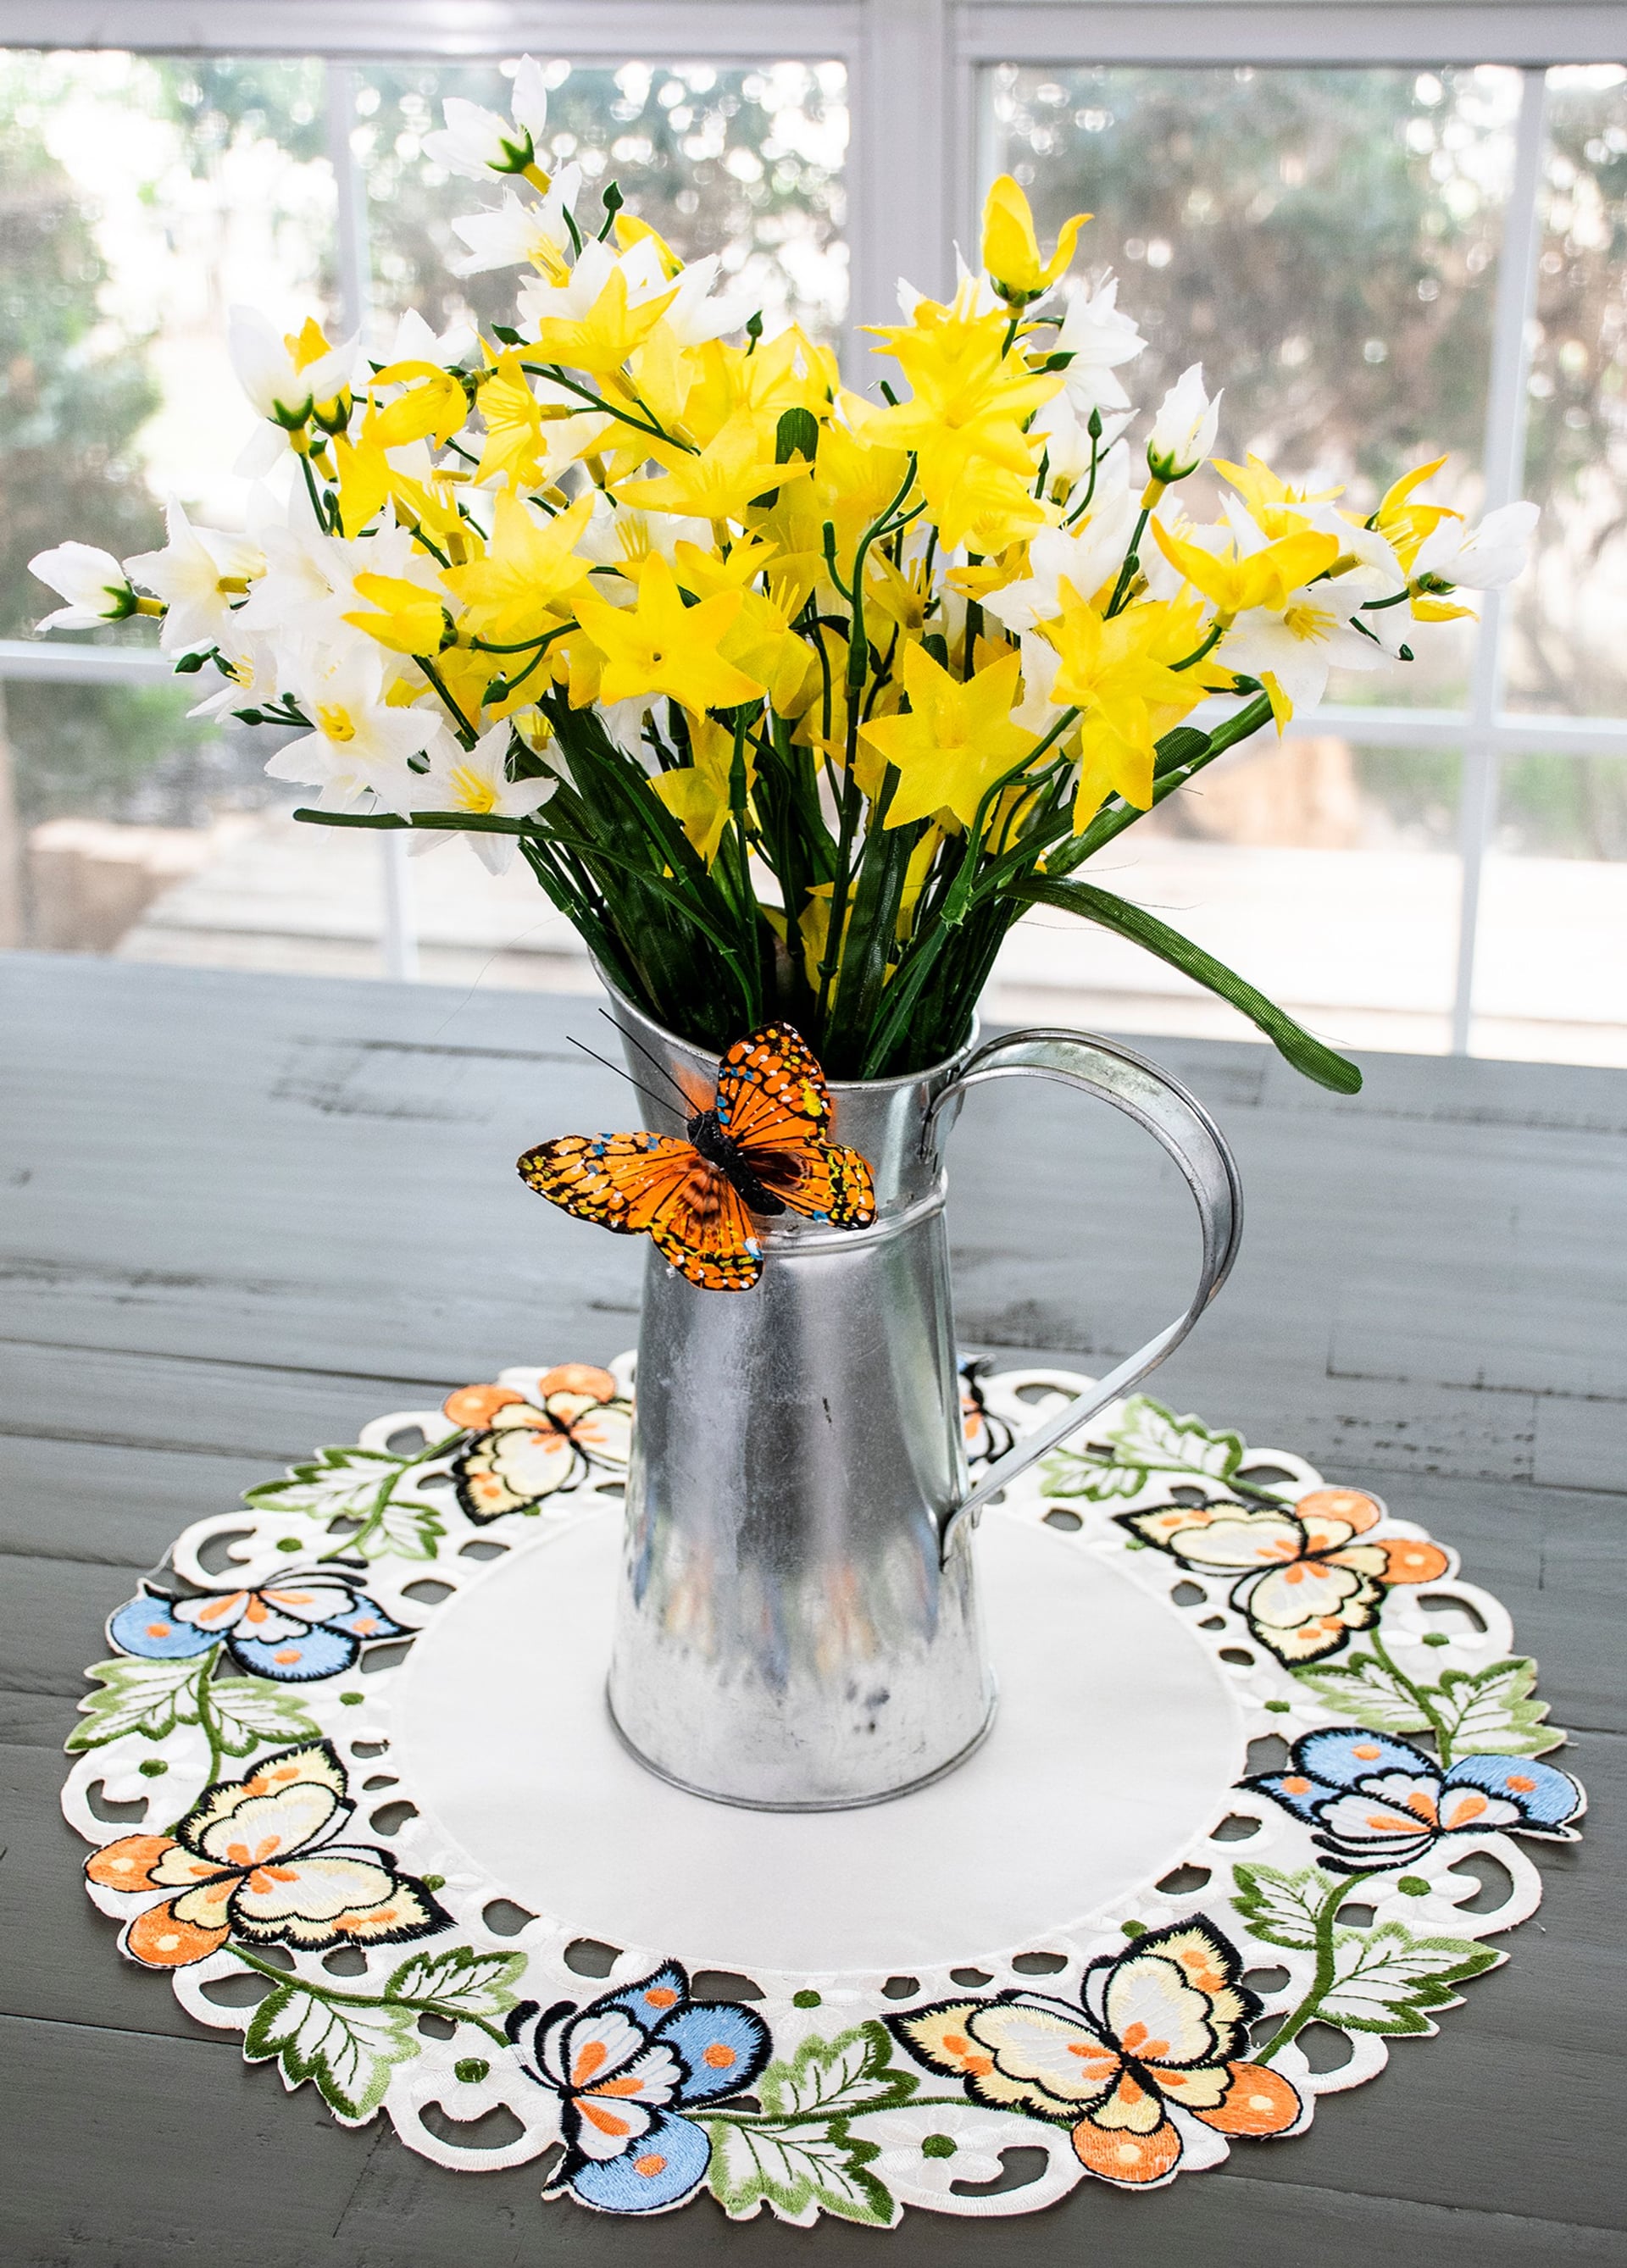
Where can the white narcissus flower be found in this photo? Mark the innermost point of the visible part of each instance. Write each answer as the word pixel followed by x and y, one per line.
pixel 201 574
pixel 287 378
pixel 576 296
pixel 476 140
pixel 414 342
pixel 693 317
pixel 1069 448
pixel 620 535
pixel 1036 712
pixel 475 780
pixel 1291 653
pixel 1483 558
pixel 358 744
pixel 1101 338
pixel 1183 432
pixel 248 667
pixel 517 232
pixel 1083 559
pixel 96 587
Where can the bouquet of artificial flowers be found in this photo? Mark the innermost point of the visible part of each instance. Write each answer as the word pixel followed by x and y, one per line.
pixel 793 698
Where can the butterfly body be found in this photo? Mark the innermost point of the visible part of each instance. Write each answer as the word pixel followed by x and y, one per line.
pixel 758 1147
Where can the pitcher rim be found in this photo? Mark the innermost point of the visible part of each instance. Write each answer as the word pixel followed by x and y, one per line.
pixel 946 1065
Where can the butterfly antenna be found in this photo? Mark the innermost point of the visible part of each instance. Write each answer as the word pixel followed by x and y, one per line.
pixel 637 1085
pixel 649 1058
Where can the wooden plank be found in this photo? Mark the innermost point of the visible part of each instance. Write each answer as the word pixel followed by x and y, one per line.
pixel 137 2152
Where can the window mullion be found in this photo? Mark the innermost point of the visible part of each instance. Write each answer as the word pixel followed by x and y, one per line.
pixel 1504 461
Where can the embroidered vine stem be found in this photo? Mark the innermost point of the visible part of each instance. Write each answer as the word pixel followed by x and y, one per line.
pixel 385 1498
pixel 1322 1982
pixel 1418 1694
pixel 729 2116
pixel 208 1724
pixel 428 2007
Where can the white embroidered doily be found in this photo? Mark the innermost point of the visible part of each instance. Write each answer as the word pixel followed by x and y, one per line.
pixel 1258 1745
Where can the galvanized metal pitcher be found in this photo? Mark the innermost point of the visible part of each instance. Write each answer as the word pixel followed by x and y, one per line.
pixel 798 1625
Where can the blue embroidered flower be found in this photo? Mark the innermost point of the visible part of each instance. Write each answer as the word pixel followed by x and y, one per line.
pixel 297 1628
pixel 1377 1802
pixel 622 2067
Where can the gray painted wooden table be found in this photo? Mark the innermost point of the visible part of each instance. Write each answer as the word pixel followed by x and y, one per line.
pixel 241 1215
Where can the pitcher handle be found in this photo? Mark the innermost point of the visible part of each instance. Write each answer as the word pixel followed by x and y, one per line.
pixel 1176 1119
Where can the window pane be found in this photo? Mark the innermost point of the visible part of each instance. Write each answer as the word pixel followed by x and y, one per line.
pixel 1325 873
pixel 1325 241
pixel 745 162
pixel 1565 653
pixel 140 198
pixel 1550 966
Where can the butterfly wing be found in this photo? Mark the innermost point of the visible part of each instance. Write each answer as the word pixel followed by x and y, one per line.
pixel 654 1185
pixel 775 1107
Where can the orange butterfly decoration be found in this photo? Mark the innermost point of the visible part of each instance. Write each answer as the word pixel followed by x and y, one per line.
pixel 759 1148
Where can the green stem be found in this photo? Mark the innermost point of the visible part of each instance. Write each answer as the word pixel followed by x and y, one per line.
pixel 210 1726
pixel 332 1993
pixel 383 1499
pixel 821 2118
pixel 1322 1982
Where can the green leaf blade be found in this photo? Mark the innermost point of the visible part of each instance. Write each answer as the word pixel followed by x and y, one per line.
pixel 1281 1909
pixel 346 2049
pixel 1387 1980
pixel 1367 1693
pixel 149 1698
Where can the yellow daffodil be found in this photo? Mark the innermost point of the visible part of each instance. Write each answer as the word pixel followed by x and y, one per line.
pixel 530 576
pixel 1237 584
pixel 1117 673
pixel 432 404
pixel 729 474
pixel 697 793
pixel 660 645
pixel 1405 523
pixel 1011 251
pixel 409 620
pixel 1274 505
pixel 954 743
pixel 602 339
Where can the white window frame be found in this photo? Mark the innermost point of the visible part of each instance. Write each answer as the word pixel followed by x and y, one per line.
pixel 916 169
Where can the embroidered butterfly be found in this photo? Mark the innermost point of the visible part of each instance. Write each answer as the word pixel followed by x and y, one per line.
pixel 758 1147
pixel 1307 1576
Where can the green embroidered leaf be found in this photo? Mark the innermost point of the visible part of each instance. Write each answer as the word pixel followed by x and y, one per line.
pixel 1491 1712
pixel 249 1712
pixel 798 2172
pixel 1282 1909
pixel 1385 1979
pixel 1367 1693
pixel 853 2071
pixel 461 1981
pixel 409 1527
pixel 1069 1472
pixel 1149 1436
pixel 338 1484
pixel 150 1698
pixel 346 2046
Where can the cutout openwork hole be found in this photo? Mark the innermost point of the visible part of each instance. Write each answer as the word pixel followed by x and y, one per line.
pixel 345 1961
pixel 480 1548
pixel 368 1749
pixel 1039 1964
pixel 442 1480
pixel 1236 1826
pixel 102 1807
pixel 497 2129
pixel 436 2027
pixel 1357 1914
pixel 617 1489
pixel 390 1818
pixel 244 1991
pixel 723 1984
pixel 1265 1475
pixel 407 1441
pixel 504 1919
pixel 1497 1884
pixel 1268 1753
pixel 1036 1395
pixel 389 1656
pixel 974 1978
pixel 1067 1521
pixel 1190 1594
pixel 1188 1496
pixel 1239 1656
pixel 1265 1981
pixel 1324 2047
pixel 1019 2168
pixel 901 1988
pixel 378 1780
pixel 590 1958
pixel 214 1553
pixel 1181 1882
pixel 1213 1622
pixel 1449 1614
pixel 427 1594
